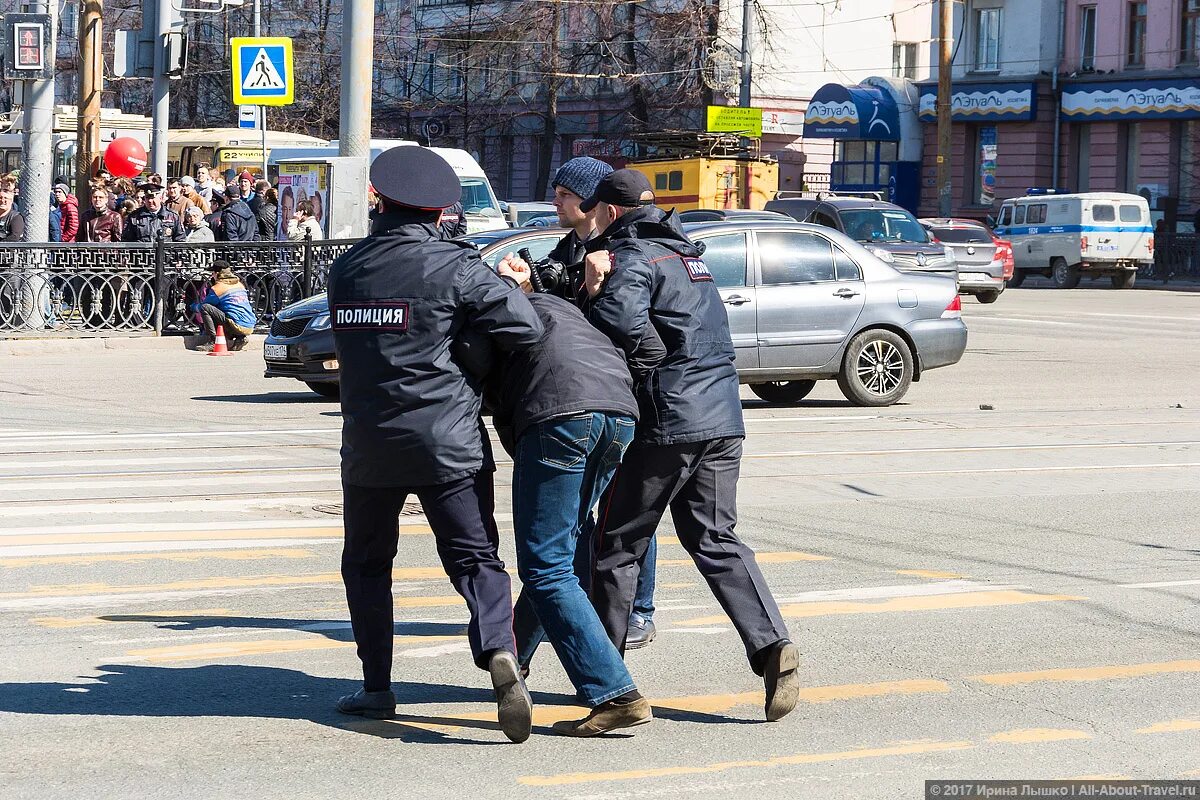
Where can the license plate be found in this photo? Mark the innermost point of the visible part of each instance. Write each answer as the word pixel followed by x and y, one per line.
pixel 275 352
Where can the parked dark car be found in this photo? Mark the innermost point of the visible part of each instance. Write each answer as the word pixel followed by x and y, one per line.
pixel 805 303
pixel 887 230
pixel 985 262
pixel 730 215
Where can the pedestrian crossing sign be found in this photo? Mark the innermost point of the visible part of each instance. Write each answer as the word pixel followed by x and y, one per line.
pixel 262 71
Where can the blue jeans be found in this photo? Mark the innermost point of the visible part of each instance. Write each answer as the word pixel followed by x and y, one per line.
pixel 560 469
pixel 643 601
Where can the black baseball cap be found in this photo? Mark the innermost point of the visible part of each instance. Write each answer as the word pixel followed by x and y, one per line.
pixel 625 187
pixel 416 177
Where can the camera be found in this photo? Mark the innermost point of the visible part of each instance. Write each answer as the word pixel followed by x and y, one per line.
pixel 551 277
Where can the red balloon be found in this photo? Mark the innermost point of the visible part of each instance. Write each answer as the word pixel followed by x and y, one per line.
pixel 125 157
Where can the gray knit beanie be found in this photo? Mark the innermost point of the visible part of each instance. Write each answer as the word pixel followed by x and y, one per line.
pixel 581 175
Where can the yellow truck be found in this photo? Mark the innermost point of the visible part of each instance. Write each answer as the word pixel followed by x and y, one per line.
pixel 699 182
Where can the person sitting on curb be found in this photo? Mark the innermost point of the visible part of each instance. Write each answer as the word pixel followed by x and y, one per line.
pixel 227 304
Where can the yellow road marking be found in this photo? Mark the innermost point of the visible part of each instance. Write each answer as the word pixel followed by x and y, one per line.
pixel 1088 673
pixel 254 581
pixel 912 748
pixel 1174 726
pixel 928 573
pixel 899 604
pixel 330 532
pixel 189 555
pixel 762 558
pixel 218 650
pixel 1037 736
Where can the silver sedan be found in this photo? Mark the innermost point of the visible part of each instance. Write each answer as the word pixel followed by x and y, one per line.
pixel 807 303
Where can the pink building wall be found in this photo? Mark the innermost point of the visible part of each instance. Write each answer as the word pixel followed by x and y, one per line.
pixel 1112 34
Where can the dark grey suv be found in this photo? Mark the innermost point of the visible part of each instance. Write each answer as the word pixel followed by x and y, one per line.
pixel 892 234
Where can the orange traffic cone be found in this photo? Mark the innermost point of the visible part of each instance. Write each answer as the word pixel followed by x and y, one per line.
pixel 220 348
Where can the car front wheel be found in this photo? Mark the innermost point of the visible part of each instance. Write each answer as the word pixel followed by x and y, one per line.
pixel 783 391
pixel 877 369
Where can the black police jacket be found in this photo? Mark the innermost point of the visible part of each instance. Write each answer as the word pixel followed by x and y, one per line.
pixel 145 225
pixel 573 369
pixel 659 283
pixel 238 223
pixel 397 300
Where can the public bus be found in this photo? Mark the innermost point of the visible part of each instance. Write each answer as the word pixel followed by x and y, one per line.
pixel 114 124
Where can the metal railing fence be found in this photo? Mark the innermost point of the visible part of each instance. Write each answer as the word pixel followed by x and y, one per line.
pixel 114 288
pixel 1176 257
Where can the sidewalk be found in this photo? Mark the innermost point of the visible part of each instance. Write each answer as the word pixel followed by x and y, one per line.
pixel 98 343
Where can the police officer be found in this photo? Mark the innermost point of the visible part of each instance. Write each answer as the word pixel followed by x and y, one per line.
pixel 643 273
pixel 453 222
pixel 411 425
pixel 153 219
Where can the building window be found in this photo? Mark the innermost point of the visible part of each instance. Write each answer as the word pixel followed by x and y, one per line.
pixel 1137 34
pixel 1189 50
pixel 1128 144
pixel 904 59
pixel 987 40
pixel 1087 38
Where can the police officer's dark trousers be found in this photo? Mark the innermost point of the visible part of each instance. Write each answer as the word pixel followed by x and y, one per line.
pixel 698 482
pixel 461 514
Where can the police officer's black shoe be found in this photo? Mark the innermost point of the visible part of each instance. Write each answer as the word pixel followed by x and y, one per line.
pixel 372 705
pixel 514 706
pixel 641 633
pixel 781 680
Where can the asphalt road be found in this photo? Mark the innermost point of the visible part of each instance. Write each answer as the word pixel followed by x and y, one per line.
pixel 1009 592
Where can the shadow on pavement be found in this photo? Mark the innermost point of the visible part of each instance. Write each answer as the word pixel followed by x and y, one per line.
pixel 753 404
pixel 229 690
pixel 269 397
pixel 338 630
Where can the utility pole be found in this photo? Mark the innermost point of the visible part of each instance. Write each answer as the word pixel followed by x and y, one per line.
pixel 262 110
pixel 354 136
pixel 38 138
pixel 747 43
pixel 91 87
pixel 162 90
pixel 944 107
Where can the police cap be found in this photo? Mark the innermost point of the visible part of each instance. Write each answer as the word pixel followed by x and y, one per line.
pixel 415 177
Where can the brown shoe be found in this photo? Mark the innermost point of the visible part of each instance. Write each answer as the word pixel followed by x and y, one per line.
pixel 608 717
pixel 781 681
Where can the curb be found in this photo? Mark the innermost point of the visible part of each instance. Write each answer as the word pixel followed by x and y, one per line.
pixel 97 344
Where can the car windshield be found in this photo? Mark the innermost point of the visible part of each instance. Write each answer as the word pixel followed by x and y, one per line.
pixel 883 225
pixel 476 196
pixel 963 235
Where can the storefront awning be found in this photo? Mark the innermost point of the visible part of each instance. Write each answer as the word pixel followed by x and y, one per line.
pixel 984 102
pixel 852 112
pixel 1132 100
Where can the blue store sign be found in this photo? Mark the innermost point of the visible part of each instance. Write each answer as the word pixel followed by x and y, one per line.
pixel 984 102
pixel 1132 100
pixel 852 112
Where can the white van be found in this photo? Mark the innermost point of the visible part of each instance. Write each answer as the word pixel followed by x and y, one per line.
pixel 479 201
pixel 1063 236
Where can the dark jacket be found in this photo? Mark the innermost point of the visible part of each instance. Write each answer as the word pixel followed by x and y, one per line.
pixel 573 368
pixel 105 226
pixel 570 250
pixel 268 220
pixel 238 223
pixel 659 282
pixel 454 221
pixel 397 301
pixel 144 225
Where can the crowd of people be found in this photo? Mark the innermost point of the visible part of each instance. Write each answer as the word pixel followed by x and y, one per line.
pixel 205 207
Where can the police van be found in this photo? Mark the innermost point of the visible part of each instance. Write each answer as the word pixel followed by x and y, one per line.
pixel 1063 236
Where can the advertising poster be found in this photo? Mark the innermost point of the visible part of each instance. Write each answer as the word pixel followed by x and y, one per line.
pixel 299 183
pixel 987 165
